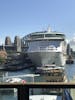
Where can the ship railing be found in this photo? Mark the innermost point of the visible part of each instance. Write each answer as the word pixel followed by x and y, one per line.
pixel 23 88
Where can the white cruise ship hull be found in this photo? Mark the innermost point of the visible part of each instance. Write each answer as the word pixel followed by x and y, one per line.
pixel 46 48
pixel 47 58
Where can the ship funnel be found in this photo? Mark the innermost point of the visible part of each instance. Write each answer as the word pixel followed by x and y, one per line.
pixel 49 29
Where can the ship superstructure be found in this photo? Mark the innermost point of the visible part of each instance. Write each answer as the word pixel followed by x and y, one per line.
pixel 46 47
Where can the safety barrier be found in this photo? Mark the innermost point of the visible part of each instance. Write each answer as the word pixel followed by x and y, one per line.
pixel 23 89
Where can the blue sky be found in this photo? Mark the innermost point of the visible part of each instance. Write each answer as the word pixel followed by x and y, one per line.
pixel 20 17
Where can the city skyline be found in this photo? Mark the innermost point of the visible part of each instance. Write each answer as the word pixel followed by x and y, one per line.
pixel 21 17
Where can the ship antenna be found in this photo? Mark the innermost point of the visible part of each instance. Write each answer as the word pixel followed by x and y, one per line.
pixel 49 29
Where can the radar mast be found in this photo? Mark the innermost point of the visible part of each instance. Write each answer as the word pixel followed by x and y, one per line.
pixel 49 29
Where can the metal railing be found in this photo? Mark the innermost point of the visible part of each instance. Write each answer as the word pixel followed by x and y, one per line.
pixel 23 89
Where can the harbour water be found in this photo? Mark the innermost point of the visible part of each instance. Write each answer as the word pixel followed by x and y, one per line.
pixel 69 70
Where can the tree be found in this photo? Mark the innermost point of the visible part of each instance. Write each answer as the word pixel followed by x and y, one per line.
pixel 3 56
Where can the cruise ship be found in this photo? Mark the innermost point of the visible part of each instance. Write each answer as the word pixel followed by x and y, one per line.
pixel 46 48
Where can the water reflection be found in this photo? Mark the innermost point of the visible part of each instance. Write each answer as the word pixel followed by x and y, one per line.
pixel 7 97
pixel 70 71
